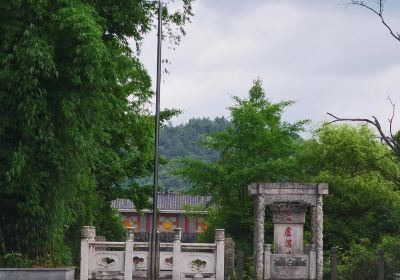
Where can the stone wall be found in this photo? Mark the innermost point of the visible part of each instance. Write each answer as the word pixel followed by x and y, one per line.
pixel 67 273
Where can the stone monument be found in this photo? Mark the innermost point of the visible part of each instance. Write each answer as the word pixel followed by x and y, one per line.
pixel 289 203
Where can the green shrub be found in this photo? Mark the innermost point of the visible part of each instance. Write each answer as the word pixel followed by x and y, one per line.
pixel 391 246
pixel 14 260
pixel 359 262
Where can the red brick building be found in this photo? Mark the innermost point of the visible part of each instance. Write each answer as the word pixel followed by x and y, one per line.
pixel 173 213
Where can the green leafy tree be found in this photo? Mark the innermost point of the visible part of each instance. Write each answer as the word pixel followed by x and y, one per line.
pixel 72 119
pixel 362 203
pixel 360 260
pixel 257 146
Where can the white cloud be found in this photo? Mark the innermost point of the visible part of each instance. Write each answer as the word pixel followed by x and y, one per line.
pixel 327 57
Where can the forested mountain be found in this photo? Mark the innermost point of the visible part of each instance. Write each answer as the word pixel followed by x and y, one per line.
pixel 182 141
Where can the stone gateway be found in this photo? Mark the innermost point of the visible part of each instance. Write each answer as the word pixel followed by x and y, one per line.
pixel 289 203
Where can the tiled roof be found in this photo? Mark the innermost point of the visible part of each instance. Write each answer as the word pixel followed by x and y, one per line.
pixel 166 202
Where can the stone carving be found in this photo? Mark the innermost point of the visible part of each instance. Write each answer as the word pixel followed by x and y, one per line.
pixel 287 273
pixel 290 261
pixel 283 273
pixel 107 261
pixel 319 241
pixel 288 202
pixel 137 261
pixel 169 261
pixel 88 232
pixel 288 213
pixel 259 213
pixel 198 265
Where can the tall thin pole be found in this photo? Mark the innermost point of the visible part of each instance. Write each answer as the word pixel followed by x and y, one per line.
pixel 153 273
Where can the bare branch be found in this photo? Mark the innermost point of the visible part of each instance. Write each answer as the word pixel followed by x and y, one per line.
pixel 388 140
pixel 391 118
pixel 381 4
pixel 379 13
pixel 337 119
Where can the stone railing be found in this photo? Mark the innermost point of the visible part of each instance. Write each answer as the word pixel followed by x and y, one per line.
pixel 128 260
pixel 166 237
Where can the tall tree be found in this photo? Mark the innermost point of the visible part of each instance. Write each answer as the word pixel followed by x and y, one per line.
pixel 362 203
pixel 257 146
pixel 73 122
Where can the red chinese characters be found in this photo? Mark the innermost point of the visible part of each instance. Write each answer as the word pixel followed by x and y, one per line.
pixel 288 241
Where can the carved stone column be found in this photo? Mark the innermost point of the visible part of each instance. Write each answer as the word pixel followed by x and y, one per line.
pixel 259 214
pixel 267 261
pixel 317 227
pixel 313 223
pixel 88 235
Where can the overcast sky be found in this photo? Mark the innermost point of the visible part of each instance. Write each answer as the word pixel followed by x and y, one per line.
pixel 326 56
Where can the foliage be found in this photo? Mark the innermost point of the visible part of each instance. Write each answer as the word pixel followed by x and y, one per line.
pixel 361 202
pixel 181 141
pixel 257 146
pixel 360 260
pixel 69 134
pixel 184 141
pixel 15 260
pixel 390 244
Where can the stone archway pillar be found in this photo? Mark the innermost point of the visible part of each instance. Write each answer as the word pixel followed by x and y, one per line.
pixel 317 226
pixel 259 214
pixel 281 265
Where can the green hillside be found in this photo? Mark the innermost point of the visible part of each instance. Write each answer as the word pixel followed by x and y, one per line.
pixel 181 141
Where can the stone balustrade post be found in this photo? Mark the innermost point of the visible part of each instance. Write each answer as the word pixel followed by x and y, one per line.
pixel 229 258
pixel 267 261
pixel 220 250
pixel 176 259
pixel 88 234
pixel 313 262
pixel 129 254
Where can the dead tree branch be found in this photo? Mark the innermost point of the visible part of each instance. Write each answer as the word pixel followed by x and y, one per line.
pixel 389 140
pixel 391 118
pixel 379 12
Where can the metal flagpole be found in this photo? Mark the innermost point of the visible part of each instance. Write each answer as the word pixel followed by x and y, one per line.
pixel 153 273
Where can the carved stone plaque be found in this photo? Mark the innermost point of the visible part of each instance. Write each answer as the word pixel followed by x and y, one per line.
pixel 290 267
